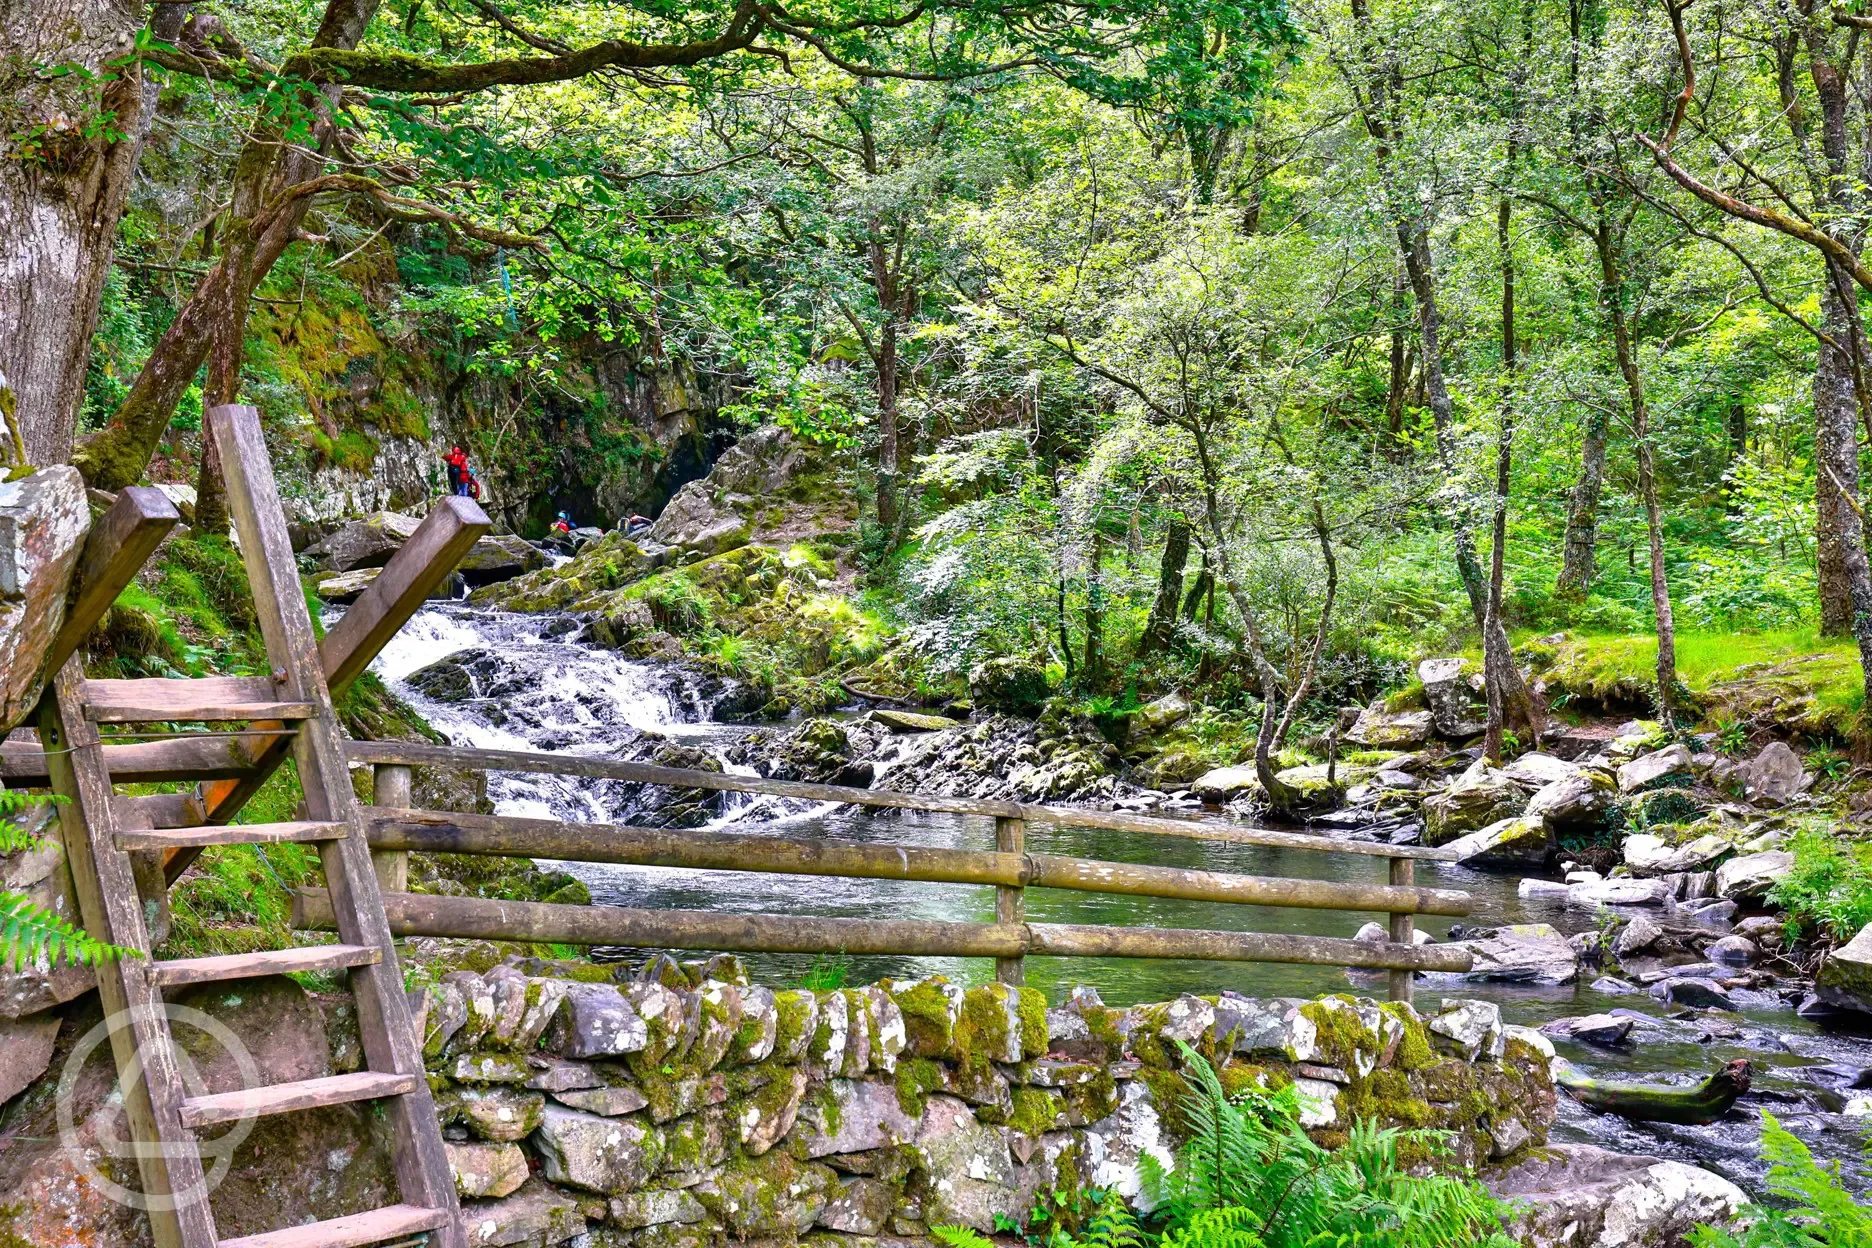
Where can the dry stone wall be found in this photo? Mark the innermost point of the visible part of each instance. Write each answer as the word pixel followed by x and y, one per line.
pixel 682 1106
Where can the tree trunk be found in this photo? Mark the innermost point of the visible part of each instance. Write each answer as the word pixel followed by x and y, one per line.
pixel 254 238
pixel 1612 295
pixel 1582 524
pixel 1497 659
pixel 1160 627
pixel 1837 527
pixel 62 193
pixel 1094 665
pixel 1401 361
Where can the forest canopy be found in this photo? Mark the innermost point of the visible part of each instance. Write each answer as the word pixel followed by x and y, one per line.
pixel 1262 343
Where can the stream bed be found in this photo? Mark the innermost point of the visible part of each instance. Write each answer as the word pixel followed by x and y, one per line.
pixel 579 699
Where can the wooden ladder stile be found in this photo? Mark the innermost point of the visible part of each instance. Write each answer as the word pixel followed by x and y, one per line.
pixel 296 703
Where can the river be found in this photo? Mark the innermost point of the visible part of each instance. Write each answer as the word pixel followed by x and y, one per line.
pixel 576 699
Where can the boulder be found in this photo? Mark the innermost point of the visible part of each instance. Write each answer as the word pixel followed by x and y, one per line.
pixel 1525 953
pixel 1456 712
pixel 345 587
pixel 1578 803
pixel 366 543
pixel 1604 1030
pixel 1481 796
pixel 1159 716
pixel 1653 855
pixel 1222 785
pixel 1636 937
pixel 1845 978
pixel 1379 729
pixel 1518 842
pixel 1011 685
pixel 1537 771
pixel 1650 770
pixel 1690 993
pixel 44 519
pixel 1774 776
pixel 1733 951
pixel 499 557
pixel 1752 875
pixel 27 1043
pixel 1579 1196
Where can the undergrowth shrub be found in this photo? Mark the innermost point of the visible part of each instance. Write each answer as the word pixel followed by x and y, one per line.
pixel 1829 890
pixel 1812 1207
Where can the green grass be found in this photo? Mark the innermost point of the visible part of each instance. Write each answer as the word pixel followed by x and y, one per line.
pixel 1790 664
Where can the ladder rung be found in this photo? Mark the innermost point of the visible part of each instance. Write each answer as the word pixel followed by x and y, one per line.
pixel 109 713
pixel 352 1232
pixel 230 834
pixel 266 962
pixel 282 1098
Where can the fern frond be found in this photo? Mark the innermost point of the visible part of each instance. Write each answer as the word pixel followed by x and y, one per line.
pixel 31 936
pixel 13 836
pixel 960 1237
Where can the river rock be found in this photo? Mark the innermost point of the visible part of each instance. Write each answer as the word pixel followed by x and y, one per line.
pixel 1752 875
pixel 1605 1030
pixel 1537 771
pixel 1619 893
pixel 1652 769
pixel 1542 890
pixel 1221 785
pixel 1733 951
pixel 1766 930
pixel 1012 685
pixel 345 587
pixel 1695 994
pixel 1378 933
pixel 1518 842
pixel 1636 937
pixel 1481 796
pixel 1456 712
pixel 1525 953
pixel 1580 1196
pixel 1653 855
pixel 1774 776
pixel 1845 978
pixel 44 519
pixel 1578 803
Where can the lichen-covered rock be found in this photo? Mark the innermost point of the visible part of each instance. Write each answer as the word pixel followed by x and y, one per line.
pixel 1648 854
pixel 1578 803
pixel 657 1206
pixel 501 1114
pixel 1456 710
pixel 486 1171
pixel 1467 1029
pixel 536 1216
pixel 853 1116
pixel 1752 875
pixel 1579 1196
pixel 768 1196
pixel 1381 729
pixel 977 1171
pixel 766 1114
pixel 1845 978
pixel 1522 842
pixel 1774 776
pixel 612 1101
pixel 930 1009
pixel 605 1155
pixel 596 1021
pixel 1479 797
pixel 1656 769
pixel 1013 686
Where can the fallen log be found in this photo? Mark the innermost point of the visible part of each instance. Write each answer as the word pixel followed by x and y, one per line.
pixel 1652 1102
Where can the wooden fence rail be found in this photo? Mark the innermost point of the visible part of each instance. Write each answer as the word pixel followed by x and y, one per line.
pixel 395 831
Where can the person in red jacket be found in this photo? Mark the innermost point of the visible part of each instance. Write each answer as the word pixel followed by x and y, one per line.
pixel 459 474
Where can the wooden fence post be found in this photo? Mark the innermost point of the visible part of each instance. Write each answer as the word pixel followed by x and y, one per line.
pixel 1011 900
pixel 390 786
pixel 1403 928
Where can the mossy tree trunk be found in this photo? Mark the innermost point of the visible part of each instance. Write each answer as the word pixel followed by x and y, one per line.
pixel 1160 627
